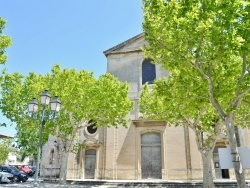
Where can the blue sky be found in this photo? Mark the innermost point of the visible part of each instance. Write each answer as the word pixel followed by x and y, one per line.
pixel 71 33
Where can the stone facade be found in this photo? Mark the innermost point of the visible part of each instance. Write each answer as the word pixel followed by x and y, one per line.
pixel 121 153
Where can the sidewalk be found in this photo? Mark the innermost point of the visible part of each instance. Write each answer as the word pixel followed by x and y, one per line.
pixel 222 183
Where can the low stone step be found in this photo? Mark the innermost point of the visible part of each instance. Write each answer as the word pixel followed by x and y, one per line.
pixel 154 184
pixel 145 183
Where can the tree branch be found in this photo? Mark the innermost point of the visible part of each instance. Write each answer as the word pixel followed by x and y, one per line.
pixel 238 97
pixel 211 93
pixel 201 112
pixel 171 50
pixel 244 69
pixel 188 122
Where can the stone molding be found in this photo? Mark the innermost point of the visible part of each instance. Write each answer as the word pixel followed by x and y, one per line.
pixel 142 123
pixel 92 142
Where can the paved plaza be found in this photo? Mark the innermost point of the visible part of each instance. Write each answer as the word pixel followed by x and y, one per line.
pixel 47 183
pixel 30 184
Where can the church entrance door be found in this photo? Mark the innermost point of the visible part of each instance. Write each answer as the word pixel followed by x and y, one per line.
pixel 151 164
pixel 90 162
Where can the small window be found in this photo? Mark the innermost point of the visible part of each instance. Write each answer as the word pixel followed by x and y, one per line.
pixel 148 72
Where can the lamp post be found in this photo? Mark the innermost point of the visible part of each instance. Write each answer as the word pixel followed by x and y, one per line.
pixel 45 115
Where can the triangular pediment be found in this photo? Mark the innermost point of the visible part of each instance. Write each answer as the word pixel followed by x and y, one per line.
pixel 131 45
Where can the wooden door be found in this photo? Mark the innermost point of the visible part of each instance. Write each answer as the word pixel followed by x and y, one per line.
pixel 90 164
pixel 151 164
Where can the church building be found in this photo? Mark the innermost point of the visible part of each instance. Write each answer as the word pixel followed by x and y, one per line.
pixel 144 150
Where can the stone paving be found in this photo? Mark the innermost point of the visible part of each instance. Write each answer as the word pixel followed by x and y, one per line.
pixel 30 184
pixel 53 185
pixel 47 184
pixel 94 184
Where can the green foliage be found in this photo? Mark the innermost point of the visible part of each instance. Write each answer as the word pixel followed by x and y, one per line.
pixel 5 41
pixel 84 98
pixel 169 101
pixel 76 148
pixel 205 46
pixel 5 148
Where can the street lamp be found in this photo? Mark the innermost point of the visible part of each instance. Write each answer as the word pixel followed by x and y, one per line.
pixel 55 106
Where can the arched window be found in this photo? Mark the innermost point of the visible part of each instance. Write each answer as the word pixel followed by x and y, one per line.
pixel 52 156
pixel 148 72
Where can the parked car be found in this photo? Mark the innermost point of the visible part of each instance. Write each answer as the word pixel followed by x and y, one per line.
pixel 6 177
pixel 25 168
pixel 17 174
pixel 34 169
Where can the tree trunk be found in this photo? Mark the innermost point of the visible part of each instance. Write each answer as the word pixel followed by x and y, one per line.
pixel 188 152
pixel 206 154
pixel 239 172
pixel 63 169
pixel 207 168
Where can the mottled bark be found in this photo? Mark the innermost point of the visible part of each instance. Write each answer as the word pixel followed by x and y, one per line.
pixel 206 147
pixel 239 172
pixel 188 152
pixel 229 121
pixel 207 169
pixel 63 169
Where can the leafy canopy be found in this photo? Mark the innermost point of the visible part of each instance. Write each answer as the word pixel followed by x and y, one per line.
pixel 204 43
pixel 169 101
pixel 84 98
pixel 5 41
pixel 5 148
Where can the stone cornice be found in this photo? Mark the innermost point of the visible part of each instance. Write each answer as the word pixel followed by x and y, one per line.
pixel 140 123
pixel 129 41
pixel 91 142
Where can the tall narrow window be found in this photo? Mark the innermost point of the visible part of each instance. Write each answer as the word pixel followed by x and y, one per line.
pixel 51 160
pixel 148 72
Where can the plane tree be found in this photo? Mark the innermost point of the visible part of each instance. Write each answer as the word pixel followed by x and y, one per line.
pixel 169 100
pixel 5 148
pixel 84 98
pixel 5 42
pixel 211 38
